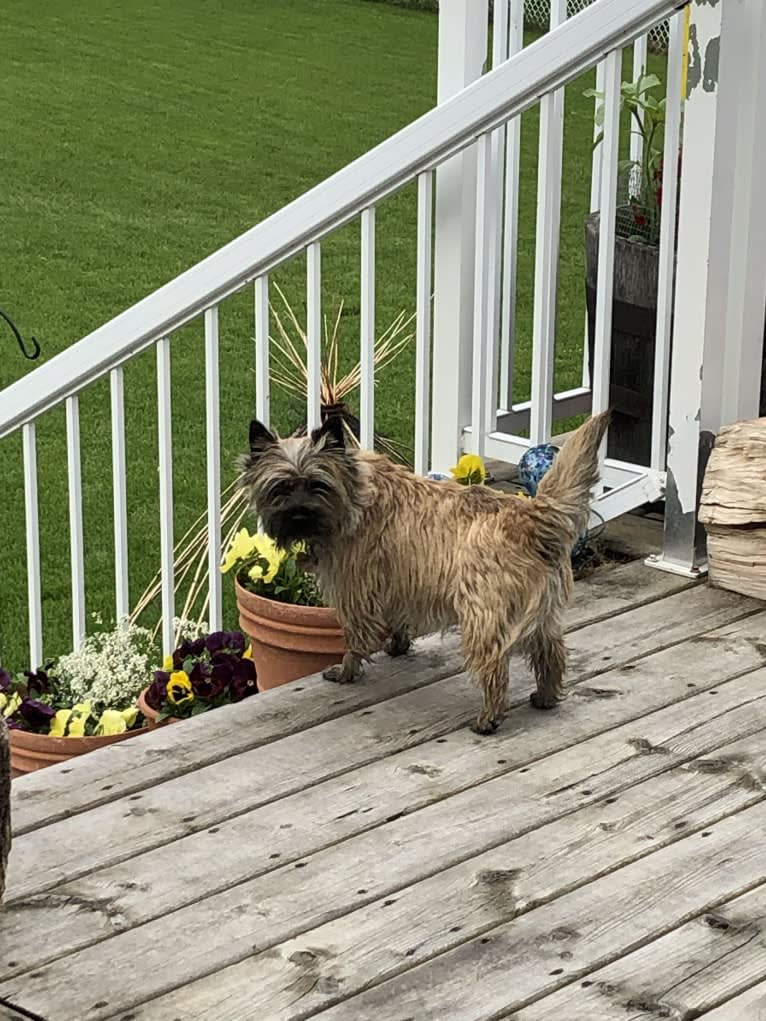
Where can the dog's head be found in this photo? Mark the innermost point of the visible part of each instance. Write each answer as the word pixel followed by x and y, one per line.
pixel 303 487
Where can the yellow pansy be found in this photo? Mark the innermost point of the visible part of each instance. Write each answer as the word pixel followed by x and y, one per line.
pixel 179 688
pixel 13 704
pixel 248 653
pixel 116 721
pixel 59 723
pixel 129 715
pixel 243 545
pixel 3 701
pixel 80 716
pixel 112 722
pixel 469 470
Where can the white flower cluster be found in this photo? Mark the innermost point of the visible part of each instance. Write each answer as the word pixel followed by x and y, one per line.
pixel 187 630
pixel 109 669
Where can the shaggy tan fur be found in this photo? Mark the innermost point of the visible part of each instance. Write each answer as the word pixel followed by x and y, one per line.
pixel 399 555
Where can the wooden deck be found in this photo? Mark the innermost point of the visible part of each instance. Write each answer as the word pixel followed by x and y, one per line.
pixel 358 853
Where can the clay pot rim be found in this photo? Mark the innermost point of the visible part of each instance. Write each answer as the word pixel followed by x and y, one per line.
pixel 150 713
pixel 289 613
pixel 51 742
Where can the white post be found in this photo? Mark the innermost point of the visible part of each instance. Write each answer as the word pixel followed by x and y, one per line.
pixel 721 275
pixel 462 54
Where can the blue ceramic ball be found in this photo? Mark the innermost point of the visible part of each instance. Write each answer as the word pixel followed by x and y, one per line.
pixel 533 464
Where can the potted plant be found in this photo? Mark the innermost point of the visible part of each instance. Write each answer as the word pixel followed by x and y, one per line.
pixel 203 673
pixel 79 702
pixel 292 633
pixel 636 273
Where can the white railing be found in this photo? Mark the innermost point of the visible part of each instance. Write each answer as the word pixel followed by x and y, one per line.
pixel 479 114
pixel 503 428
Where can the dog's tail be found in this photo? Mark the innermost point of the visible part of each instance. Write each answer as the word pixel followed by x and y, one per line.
pixel 568 484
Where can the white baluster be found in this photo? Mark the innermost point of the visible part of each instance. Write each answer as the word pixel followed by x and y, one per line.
pixel 213 427
pixel 608 206
pixel 34 594
pixel 262 387
pixel 314 334
pixel 74 475
pixel 667 254
pixel 166 493
pixel 547 252
pixel 367 333
pixel 423 321
pixel 119 493
pixel 511 224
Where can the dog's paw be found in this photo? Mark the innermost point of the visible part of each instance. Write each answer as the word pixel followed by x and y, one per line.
pixel 398 645
pixel 338 675
pixel 539 701
pixel 485 727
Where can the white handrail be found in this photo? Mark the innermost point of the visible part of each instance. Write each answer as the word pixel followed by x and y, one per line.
pixel 516 85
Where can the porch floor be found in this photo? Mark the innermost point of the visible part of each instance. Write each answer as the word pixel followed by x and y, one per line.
pixel 357 853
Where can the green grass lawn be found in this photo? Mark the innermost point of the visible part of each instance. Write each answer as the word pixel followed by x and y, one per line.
pixel 141 137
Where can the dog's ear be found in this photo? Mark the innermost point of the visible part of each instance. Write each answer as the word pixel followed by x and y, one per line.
pixel 330 434
pixel 260 438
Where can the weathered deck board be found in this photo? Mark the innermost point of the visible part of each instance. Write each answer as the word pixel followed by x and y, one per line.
pixel 42 799
pixel 379 862
pixel 575 933
pixel 466 900
pixel 9 1014
pixel 374 858
pixel 693 969
pixel 748 1006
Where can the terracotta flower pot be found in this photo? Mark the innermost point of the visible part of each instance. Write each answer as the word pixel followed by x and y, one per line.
pixel 288 641
pixel 30 752
pixel 152 714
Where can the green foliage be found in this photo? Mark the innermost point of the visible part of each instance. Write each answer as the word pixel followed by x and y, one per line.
pixel 641 220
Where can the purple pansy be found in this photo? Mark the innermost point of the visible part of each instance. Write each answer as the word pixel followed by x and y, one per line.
pixel 36 714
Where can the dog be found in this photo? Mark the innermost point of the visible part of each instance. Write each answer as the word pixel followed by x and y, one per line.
pixel 399 555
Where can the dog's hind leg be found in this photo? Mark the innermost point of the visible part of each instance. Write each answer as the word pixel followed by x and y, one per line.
pixel 486 655
pixel 399 642
pixel 492 678
pixel 548 658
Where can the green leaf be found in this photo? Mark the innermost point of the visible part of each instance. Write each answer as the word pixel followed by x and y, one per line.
pixel 647 81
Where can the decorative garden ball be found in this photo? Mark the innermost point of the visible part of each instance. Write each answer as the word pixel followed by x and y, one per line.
pixel 534 463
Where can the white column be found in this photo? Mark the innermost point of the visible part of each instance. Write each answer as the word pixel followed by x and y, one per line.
pixel 462 54
pixel 721 274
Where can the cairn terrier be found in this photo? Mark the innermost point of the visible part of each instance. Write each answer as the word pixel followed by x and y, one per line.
pixel 398 555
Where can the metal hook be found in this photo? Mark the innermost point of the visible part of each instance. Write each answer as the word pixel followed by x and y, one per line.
pixel 20 340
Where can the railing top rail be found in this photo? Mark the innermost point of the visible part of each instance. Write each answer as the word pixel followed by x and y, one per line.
pixel 508 90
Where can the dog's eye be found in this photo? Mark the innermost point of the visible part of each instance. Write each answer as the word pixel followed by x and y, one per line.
pixel 317 486
pixel 281 489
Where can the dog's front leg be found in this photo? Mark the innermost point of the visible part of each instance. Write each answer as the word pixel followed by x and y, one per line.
pixel 364 637
pixel 347 672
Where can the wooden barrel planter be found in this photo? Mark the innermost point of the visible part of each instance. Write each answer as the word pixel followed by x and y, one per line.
pixel 634 327
pixel 634 330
